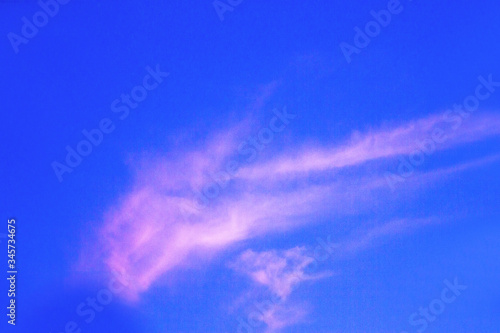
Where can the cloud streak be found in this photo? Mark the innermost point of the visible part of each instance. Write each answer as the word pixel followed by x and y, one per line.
pixel 278 271
pixel 377 144
pixel 155 228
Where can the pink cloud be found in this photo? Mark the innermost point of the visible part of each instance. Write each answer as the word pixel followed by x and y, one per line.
pixel 155 228
pixel 281 316
pixel 279 271
pixel 375 145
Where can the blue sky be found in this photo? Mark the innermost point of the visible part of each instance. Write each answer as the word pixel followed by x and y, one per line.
pixel 228 167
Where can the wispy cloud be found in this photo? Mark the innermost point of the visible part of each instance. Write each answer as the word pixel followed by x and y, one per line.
pixel 148 233
pixel 282 316
pixel 367 238
pixel 373 145
pixel 279 271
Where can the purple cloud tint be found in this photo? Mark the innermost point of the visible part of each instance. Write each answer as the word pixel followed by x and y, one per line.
pixel 278 271
pixel 160 224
